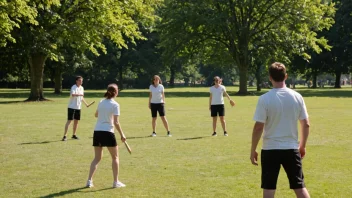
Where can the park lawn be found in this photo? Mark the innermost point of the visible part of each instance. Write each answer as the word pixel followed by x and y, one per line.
pixel 35 163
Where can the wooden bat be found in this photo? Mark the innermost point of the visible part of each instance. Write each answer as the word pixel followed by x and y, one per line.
pixel 128 147
pixel 90 104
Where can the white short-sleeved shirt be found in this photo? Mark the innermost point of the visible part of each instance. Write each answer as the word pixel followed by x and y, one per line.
pixel 107 108
pixel 76 101
pixel 280 109
pixel 217 94
pixel 157 91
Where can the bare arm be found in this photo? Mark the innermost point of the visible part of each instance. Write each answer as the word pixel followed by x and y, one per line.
pixel 210 98
pixel 84 101
pixel 96 113
pixel 228 96
pixel 163 96
pixel 150 99
pixel 256 135
pixel 118 128
pixel 304 136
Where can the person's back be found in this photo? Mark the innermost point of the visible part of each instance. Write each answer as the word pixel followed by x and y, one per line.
pixel 106 108
pixel 284 107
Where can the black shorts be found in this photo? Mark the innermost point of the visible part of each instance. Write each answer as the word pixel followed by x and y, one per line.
pixel 73 114
pixel 157 107
pixel 271 161
pixel 217 110
pixel 104 138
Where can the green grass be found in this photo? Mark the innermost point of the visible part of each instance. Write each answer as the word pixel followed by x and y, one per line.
pixel 35 163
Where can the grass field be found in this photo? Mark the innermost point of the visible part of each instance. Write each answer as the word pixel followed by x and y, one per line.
pixel 35 163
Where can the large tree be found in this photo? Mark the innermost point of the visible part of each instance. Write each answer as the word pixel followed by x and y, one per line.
pixel 81 25
pixel 239 25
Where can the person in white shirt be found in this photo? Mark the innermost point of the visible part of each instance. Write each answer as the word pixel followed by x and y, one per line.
pixel 108 113
pixel 277 113
pixel 157 104
pixel 216 104
pixel 74 107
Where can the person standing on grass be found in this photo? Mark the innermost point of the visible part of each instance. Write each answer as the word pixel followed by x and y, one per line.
pixel 74 107
pixel 108 113
pixel 277 113
pixel 157 104
pixel 216 104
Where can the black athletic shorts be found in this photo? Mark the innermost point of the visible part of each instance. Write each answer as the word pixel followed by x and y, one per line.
pixel 271 161
pixel 104 138
pixel 157 107
pixel 217 110
pixel 73 114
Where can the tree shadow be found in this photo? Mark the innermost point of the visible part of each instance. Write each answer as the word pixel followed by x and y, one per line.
pixel 44 142
pixel 194 138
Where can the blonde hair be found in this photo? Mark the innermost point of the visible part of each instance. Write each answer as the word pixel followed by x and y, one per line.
pixel 156 76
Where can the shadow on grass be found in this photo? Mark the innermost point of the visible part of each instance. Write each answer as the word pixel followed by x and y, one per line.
pixel 139 137
pixel 44 142
pixel 194 138
pixel 68 192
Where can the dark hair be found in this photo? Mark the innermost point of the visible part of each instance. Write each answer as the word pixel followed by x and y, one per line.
pixel 216 78
pixel 156 76
pixel 277 72
pixel 111 91
pixel 78 77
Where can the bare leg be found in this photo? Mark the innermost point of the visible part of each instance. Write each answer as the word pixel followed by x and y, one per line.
pixel 215 119
pixel 94 165
pixel 223 123
pixel 115 161
pixel 66 126
pixel 75 125
pixel 302 193
pixel 166 124
pixel 268 193
pixel 154 124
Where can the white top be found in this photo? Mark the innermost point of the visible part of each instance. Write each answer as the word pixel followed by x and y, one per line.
pixel 157 97
pixel 217 94
pixel 280 109
pixel 76 101
pixel 107 108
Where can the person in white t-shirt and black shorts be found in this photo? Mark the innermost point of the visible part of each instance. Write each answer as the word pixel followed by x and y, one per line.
pixel 278 112
pixel 216 104
pixel 74 107
pixel 157 104
pixel 108 113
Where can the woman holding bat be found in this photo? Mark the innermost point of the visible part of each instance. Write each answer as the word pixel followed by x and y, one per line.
pixel 216 104
pixel 108 116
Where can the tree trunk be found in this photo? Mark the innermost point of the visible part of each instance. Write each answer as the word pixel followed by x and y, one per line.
pixel 243 81
pixel 314 81
pixel 58 80
pixel 36 62
pixel 121 77
pixel 338 78
pixel 172 78
pixel 258 77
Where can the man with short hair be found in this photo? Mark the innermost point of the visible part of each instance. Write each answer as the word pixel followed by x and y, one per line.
pixel 74 107
pixel 277 113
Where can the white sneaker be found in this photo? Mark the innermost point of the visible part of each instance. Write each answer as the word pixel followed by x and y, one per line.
pixel 118 184
pixel 89 184
pixel 153 134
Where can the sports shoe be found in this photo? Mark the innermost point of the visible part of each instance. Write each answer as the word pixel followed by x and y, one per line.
pixel 225 134
pixel 89 184
pixel 153 134
pixel 214 134
pixel 118 184
pixel 64 138
pixel 169 134
pixel 75 137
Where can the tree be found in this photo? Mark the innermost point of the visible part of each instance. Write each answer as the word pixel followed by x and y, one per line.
pixel 82 25
pixel 240 25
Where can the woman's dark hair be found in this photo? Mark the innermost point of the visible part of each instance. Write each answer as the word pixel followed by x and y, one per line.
pixel 216 78
pixel 156 76
pixel 78 77
pixel 111 91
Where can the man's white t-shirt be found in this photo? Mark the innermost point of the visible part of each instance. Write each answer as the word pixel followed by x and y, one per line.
pixel 280 109
pixel 76 101
pixel 107 108
pixel 217 95
pixel 157 91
